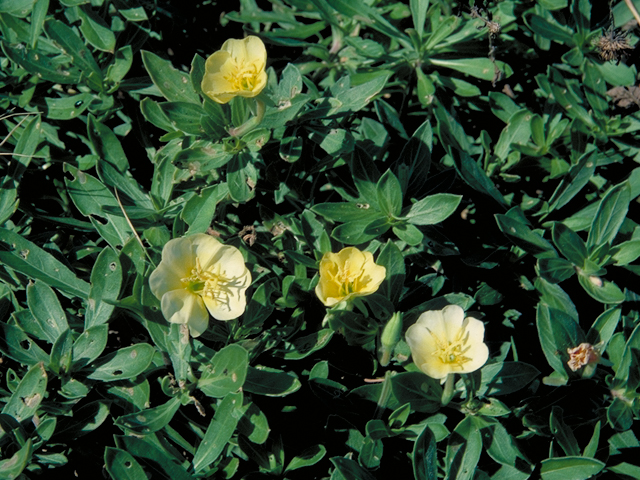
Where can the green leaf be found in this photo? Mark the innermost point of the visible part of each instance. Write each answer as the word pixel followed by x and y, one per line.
pixel 125 363
pixel 577 177
pixel 61 354
pixel 15 344
pixel 107 144
pixel 254 424
pixel 106 280
pixel 346 212
pixel 602 290
pixel 174 85
pixel 419 15
pixel 95 201
pixel 626 252
pixel 592 447
pixel 199 210
pixel 604 327
pixel 463 450
pixel 149 420
pixel 121 64
pixel 347 469
pixel 310 456
pixel 518 130
pixel 184 116
pixel 505 377
pixel 551 30
pixel 38 16
pixel 569 244
pixel 24 402
pixel 238 170
pixel 46 310
pixel 34 62
pixel 415 159
pixel 154 457
pixel 271 382
pixel 226 372
pixel 609 216
pixel 557 332
pixel 433 209
pixel 11 468
pixel 360 231
pixel 73 46
pixel 389 194
pixel 66 108
pixel 122 465
pixel 419 390
pixel 563 433
pixel 620 415
pixel 408 233
pixel 482 68
pixel 220 430
pixel 570 468
pixel 95 30
pixel 391 259
pixel 424 457
pixel 26 257
pixel 525 238
pixel 365 176
pixel 17 8
pixel 555 270
pixel 89 345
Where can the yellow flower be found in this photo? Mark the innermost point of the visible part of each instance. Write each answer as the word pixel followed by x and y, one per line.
pixel 237 69
pixel 444 342
pixel 347 274
pixel 199 276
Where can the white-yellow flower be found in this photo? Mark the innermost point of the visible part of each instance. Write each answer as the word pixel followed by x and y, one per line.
pixel 237 69
pixel 347 274
pixel 444 342
pixel 199 276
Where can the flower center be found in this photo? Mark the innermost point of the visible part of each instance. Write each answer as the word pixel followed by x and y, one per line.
pixel 452 352
pixel 209 284
pixel 349 279
pixel 242 75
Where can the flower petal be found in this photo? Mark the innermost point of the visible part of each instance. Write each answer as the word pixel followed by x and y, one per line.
pixel 205 248
pixel 421 342
pixel 256 51
pixel 452 318
pixel 235 300
pixel 182 306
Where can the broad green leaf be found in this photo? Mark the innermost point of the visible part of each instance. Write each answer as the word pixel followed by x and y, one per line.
pixel 89 345
pixel 433 209
pixel 34 62
pixel 346 211
pixel 391 259
pixel 347 469
pixel 121 64
pixel 15 344
pixel 555 297
pixel 569 244
pixel 174 85
pixel 95 30
pixel 26 257
pixel 199 210
pixel 551 30
pixel 37 21
pixel 418 390
pixel 46 310
pixel 570 468
pixel 107 144
pixel 482 68
pixel 24 402
pixel 408 233
pixel 419 15
pixel 623 370
pixel 271 382
pixel 557 332
pixel 389 194
pixel 424 457
pixel 309 457
pixel 563 433
pixel 125 363
pixel 238 170
pixel 93 200
pixel 604 327
pixel 505 377
pixel 11 468
pixel 620 415
pixel 578 176
pixel 360 231
pixel 609 216
pixel 524 237
pixel 473 175
pixel 122 465
pixel 226 373
pixel 463 450
pixel 61 354
pixel 154 457
pixel 555 270
pixel 518 130
pixel 219 432
pixel 66 108
pixel 106 280
pixel 17 8
pixel 254 424
pixel 184 116
pixel 302 347
pixel 414 160
pixel 149 420
pixel 73 46
pixel 602 290
pixel 626 252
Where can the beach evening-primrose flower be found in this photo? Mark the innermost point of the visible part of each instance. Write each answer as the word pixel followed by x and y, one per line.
pixel 347 274
pixel 444 342
pixel 583 354
pixel 199 276
pixel 237 69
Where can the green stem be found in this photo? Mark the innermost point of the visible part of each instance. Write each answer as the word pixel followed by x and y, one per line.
pixel 252 123
pixel 447 393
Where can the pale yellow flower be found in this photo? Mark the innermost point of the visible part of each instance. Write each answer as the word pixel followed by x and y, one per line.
pixel 199 276
pixel 444 342
pixel 347 274
pixel 237 69
pixel 583 354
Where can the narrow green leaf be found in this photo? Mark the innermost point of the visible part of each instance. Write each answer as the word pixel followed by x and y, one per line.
pixel 95 30
pixel 569 244
pixel 563 433
pixel 570 468
pixel 424 458
pixel 125 363
pixel 24 402
pixel 122 465
pixel 609 216
pixel 463 450
pixel 106 280
pixel 149 420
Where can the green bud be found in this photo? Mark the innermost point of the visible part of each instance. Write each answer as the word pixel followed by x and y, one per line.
pixel 390 336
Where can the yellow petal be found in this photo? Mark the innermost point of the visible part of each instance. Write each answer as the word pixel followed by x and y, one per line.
pixel 452 319
pixel 256 51
pixel 163 280
pixel 205 248
pixel 181 306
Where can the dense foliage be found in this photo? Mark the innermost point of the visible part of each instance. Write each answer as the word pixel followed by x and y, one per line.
pixel 212 266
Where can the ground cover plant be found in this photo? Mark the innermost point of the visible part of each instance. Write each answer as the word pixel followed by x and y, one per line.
pixel 328 239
